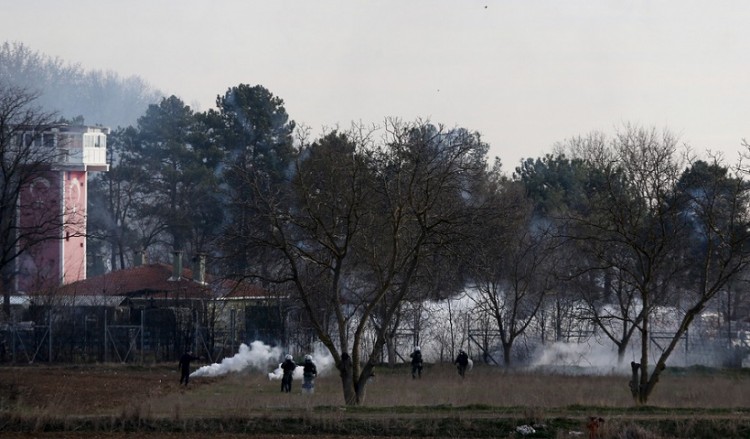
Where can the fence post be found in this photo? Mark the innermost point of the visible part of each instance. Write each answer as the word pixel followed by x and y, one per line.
pixel 49 328
pixel 13 342
pixel 232 317
pixel 106 348
pixel 143 317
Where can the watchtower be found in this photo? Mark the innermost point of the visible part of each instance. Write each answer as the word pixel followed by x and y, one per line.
pixel 52 205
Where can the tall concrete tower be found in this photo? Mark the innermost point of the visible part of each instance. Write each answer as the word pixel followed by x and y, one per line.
pixel 53 205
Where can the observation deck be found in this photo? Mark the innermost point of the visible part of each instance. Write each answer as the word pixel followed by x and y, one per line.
pixel 81 148
pixel 67 147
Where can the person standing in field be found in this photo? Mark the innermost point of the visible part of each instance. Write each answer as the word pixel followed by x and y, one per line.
pixel 309 372
pixel 287 368
pixel 416 363
pixel 184 366
pixel 462 361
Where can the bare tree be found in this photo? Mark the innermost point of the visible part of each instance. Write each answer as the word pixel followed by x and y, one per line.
pixel 609 300
pixel 512 267
pixel 115 196
pixel 22 161
pixel 643 224
pixel 353 231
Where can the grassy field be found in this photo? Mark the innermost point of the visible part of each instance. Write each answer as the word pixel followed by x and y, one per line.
pixel 114 401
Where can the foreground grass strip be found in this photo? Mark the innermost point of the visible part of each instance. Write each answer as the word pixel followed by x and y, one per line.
pixel 394 426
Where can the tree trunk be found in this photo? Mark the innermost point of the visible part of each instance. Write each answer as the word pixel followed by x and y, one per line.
pixel 391 348
pixel 361 384
pixel 634 380
pixel 506 353
pixel 5 285
pixel 347 381
pixel 643 381
pixel 621 348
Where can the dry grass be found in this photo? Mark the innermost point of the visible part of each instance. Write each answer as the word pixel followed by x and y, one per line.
pixel 489 402
pixel 441 386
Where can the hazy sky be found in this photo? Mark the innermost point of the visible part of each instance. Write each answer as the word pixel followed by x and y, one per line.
pixel 524 73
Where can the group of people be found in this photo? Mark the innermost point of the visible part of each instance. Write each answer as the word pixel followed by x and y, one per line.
pixel 462 363
pixel 309 372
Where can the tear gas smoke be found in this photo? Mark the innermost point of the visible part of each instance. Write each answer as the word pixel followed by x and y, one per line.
pixel 260 356
pixel 320 356
pixel 572 358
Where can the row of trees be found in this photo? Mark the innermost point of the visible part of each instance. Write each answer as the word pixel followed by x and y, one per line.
pixel 361 226
pixel 174 182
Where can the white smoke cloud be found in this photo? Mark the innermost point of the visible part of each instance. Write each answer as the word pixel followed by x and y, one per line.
pixel 320 356
pixel 261 356
pixel 258 356
pixel 593 357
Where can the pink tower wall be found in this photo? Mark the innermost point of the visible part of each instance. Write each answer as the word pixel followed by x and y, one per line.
pixel 61 257
pixel 39 208
pixel 74 231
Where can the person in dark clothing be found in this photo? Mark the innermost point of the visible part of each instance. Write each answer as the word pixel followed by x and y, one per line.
pixel 462 361
pixel 309 372
pixel 184 366
pixel 416 363
pixel 287 367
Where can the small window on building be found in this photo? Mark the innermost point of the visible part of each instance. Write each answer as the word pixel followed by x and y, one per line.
pixel 48 140
pixel 28 139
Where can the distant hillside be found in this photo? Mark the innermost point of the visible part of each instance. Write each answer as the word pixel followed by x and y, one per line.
pixel 100 97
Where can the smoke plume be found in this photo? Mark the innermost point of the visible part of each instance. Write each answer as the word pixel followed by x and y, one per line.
pixel 257 356
pixel 261 357
pixel 320 356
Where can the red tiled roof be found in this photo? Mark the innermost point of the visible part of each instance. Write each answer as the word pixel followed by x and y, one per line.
pixel 239 290
pixel 137 281
pixel 153 280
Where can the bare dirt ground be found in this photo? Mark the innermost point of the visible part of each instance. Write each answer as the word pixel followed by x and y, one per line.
pixel 57 398
pixel 85 389
pixel 91 390
pixel 112 390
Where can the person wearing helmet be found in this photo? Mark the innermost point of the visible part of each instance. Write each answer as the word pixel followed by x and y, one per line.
pixel 462 361
pixel 287 368
pixel 309 372
pixel 416 363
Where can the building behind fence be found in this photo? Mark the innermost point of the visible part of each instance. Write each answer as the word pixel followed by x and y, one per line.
pixel 146 314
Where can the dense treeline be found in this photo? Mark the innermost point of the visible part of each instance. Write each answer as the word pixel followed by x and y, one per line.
pixel 363 226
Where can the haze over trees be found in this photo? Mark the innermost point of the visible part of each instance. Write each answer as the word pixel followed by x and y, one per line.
pixel 101 98
pixel 361 228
